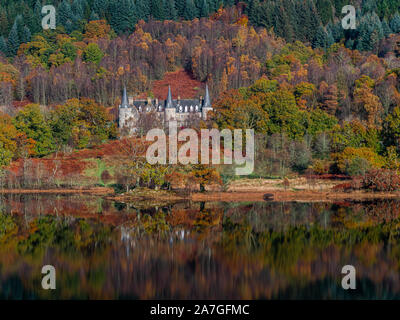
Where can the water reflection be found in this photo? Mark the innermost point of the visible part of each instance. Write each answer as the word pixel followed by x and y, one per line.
pixel 107 250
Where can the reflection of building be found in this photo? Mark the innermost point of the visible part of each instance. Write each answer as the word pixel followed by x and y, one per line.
pixel 180 110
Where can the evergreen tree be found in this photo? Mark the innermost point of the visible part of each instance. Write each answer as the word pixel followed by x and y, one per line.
pixel 13 41
pixel 395 23
pixel 180 7
pixel 157 9
pixel 212 4
pixel 94 16
pixel 337 31
pixel 69 26
pixel 282 24
pixel 28 17
pixel 77 10
pixel 3 45
pixel 190 10
pixel 325 11
pixel 37 17
pixel 204 10
pixel 311 21
pixel 170 10
pixel 19 21
pixel 386 29
pixel 330 39
pixel 123 17
pixel 142 9
pixel 321 38
pixel 307 21
pixel 368 6
pixel 3 22
pixel 100 7
pixel 64 13
pixel 254 12
pixel 26 36
pixel 370 33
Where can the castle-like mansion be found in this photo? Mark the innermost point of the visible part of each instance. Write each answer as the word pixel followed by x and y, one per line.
pixel 180 110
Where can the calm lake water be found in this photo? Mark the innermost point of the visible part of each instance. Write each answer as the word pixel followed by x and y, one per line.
pixel 107 250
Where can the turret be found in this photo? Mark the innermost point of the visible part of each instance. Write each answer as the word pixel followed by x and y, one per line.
pixel 170 111
pixel 207 100
pixel 124 103
pixel 207 107
pixel 126 114
pixel 169 103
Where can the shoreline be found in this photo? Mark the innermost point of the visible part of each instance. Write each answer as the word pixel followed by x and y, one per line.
pixel 257 196
pixel 242 195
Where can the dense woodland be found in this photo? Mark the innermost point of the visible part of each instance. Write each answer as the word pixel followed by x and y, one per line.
pixel 320 98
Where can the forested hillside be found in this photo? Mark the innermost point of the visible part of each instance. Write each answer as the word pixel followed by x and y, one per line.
pixel 325 106
pixel 317 22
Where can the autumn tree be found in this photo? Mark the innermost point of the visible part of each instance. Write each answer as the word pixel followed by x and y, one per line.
pixel 33 123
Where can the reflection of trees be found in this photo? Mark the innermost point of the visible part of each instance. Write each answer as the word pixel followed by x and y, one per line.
pixel 261 250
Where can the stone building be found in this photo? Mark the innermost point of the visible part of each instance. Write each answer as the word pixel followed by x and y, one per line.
pixel 180 110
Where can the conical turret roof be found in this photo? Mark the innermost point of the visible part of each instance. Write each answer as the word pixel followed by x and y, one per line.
pixel 169 103
pixel 125 103
pixel 207 99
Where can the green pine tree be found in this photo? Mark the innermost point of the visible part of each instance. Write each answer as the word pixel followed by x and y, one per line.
pixel 157 9
pixel 78 10
pixel 325 10
pixel 142 9
pixel 94 16
pixel 370 33
pixel 330 39
pixel 180 7
pixel 386 29
pixel 3 45
pixel 3 22
pixel 170 10
pixel 395 23
pixel 26 36
pixel 37 17
pixel 190 10
pixel 123 16
pixel 101 7
pixel 64 13
pixel 13 41
pixel 254 12
pixel 321 38
pixel 204 10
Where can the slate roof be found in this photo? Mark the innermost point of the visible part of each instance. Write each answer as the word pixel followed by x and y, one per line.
pixel 169 103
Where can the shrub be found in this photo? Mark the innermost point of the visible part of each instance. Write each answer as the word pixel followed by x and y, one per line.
pixel 381 180
pixel 357 161
pixel 321 167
